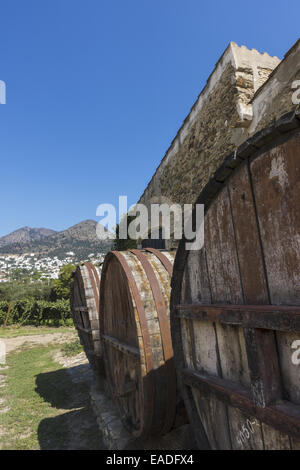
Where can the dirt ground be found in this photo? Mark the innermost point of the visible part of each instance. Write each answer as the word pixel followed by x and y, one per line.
pixel 57 338
pixel 74 418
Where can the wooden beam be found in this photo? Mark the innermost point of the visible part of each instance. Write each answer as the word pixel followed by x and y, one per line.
pixel 263 366
pixel 283 416
pixel 269 317
pixel 123 347
pixel 127 389
pixel 81 309
pixel 85 330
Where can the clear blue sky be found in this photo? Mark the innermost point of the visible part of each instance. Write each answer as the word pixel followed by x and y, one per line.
pixel 96 91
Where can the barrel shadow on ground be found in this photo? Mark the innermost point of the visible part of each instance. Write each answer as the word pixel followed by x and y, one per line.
pixel 75 426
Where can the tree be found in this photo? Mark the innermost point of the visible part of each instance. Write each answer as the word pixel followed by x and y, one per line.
pixel 36 276
pixel 62 285
pixel 123 245
pixel 19 274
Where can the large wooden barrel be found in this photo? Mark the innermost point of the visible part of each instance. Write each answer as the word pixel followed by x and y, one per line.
pixel 137 346
pixel 235 315
pixel 85 310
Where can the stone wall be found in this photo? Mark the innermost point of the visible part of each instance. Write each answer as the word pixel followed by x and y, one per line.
pixel 274 98
pixel 116 437
pixel 215 126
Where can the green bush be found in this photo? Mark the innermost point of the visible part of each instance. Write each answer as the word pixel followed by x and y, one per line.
pixel 37 313
pixel 61 286
pixel 21 290
pixel 72 349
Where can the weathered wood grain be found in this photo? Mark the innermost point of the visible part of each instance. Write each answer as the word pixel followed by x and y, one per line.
pixel 237 361
pixel 201 342
pixel 276 184
pixel 265 377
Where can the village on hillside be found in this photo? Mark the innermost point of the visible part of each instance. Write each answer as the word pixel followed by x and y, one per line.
pixel 46 267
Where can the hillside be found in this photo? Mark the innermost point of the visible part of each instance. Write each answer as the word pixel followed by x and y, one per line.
pixel 80 239
pixel 25 235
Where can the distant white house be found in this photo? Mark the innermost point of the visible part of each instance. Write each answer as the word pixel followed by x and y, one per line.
pixel 3 277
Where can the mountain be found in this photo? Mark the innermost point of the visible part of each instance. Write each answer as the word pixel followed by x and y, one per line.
pixel 25 235
pixel 80 239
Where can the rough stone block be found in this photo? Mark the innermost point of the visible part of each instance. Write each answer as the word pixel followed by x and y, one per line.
pixel 116 437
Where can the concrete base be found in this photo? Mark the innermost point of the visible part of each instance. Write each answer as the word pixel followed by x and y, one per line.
pixel 116 437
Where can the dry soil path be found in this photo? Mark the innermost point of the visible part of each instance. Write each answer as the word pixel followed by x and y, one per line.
pixel 12 344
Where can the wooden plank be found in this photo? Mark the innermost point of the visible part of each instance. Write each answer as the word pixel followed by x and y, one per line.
pixel 212 411
pixel 221 253
pixel 201 352
pixel 247 239
pixel 272 317
pixel 213 415
pixel 226 287
pixel 276 184
pixel 295 444
pixel 248 434
pixel 233 354
pixel 265 374
pixel 260 344
pixel 195 286
pixel 85 330
pixel 225 284
pixel 274 439
pixel 284 416
pixel 123 347
pixel 81 309
pixel 289 365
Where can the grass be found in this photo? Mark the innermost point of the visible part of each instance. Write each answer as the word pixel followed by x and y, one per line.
pixel 14 331
pixel 44 404
pixel 72 349
pixel 27 408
